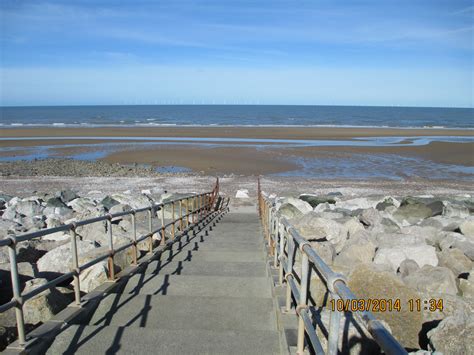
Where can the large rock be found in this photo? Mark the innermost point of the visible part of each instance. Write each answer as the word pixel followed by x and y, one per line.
pixel 357 203
pixel 467 227
pixel 120 208
pixel 5 197
pixel 9 213
pixel 421 254
pixel 324 207
pixel 43 306
pixel 93 276
pixel 448 224
pixel 455 210
pixel 370 217
pixel 449 240
pixel 293 207
pixel 289 211
pixel 430 235
pixel 55 202
pixel 61 212
pixel 467 287
pixel 311 227
pixel 386 225
pixel 390 240
pixel 314 200
pixel 451 305
pixel 432 279
pixel 359 249
pixel 59 259
pixel 454 335
pixel 366 282
pixel 96 232
pixel 8 227
pixel 242 194
pixel 330 214
pixel 82 205
pixel 455 260
pixel 108 202
pixel 387 202
pixel 67 195
pixel 412 213
pixel 408 267
pixel 29 208
pixel 32 223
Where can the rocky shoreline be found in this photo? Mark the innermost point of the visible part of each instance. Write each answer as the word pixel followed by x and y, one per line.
pixel 419 250
pixel 389 247
pixel 78 168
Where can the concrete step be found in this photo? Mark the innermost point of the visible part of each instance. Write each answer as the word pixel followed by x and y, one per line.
pixel 81 339
pixel 247 218
pixel 219 245
pixel 185 312
pixel 225 256
pixel 211 286
pixel 247 234
pixel 207 268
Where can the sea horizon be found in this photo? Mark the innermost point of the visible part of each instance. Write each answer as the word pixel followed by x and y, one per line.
pixel 202 115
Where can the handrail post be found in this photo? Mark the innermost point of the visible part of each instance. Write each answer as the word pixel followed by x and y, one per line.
pixel 150 229
pixel 199 208
pixel 269 229
pixel 276 241
pixel 163 231
pixel 289 269
pixel 181 225
pixel 282 250
pixel 111 250
pixel 20 320
pixel 334 324
pixel 173 221
pixel 187 212
pixel 75 267
pixel 134 236
pixel 303 300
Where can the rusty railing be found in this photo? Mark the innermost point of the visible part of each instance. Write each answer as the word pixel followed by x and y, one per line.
pixel 191 210
pixel 284 242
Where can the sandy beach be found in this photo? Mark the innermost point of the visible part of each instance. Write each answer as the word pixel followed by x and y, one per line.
pixel 232 132
pixel 241 157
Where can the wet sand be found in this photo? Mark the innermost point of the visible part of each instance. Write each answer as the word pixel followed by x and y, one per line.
pixel 220 160
pixel 438 152
pixel 237 159
pixel 232 132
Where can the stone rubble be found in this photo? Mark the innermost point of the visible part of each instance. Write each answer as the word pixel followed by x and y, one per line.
pixel 48 257
pixel 397 247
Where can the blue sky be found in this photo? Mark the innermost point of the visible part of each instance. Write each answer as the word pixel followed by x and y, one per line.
pixel 412 53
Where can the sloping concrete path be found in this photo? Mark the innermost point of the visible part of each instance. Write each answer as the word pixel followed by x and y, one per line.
pixel 212 294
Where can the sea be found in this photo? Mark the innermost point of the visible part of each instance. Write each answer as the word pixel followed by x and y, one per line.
pixel 355 166
pixel 238 115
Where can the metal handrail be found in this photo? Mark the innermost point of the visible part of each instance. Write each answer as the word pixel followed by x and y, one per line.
pixel 201 206
pixel 283 238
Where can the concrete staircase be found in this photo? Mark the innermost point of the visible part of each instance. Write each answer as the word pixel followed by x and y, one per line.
pixel 211 294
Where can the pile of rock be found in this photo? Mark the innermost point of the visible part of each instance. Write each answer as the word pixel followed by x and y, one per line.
pixel 405 248
pixel 73 167
pixel 45 258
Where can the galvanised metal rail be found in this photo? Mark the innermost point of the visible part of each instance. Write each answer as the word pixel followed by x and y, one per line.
pixel 284 241
pixel 196 209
